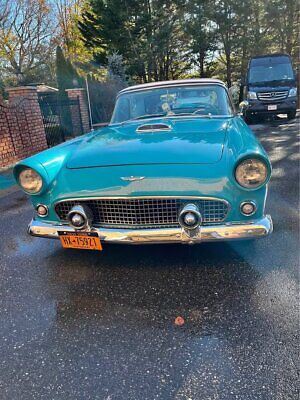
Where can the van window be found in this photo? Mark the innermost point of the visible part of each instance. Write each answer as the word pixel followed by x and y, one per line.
pixel 267 69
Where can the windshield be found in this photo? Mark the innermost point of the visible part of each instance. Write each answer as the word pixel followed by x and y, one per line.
pixel 270 69
pixel 201 100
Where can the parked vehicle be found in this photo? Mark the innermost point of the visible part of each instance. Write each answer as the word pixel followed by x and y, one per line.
pixel 176 164
pixel 270 87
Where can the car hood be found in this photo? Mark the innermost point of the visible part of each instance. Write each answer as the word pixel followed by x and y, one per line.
pixel 188 141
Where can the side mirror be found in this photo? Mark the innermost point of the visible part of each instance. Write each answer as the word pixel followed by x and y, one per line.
pixel 243 105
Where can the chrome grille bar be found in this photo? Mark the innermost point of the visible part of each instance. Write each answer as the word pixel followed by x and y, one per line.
pixel 271 96
pixel 144 212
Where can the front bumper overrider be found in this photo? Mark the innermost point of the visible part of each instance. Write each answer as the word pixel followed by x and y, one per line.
pixel 227 231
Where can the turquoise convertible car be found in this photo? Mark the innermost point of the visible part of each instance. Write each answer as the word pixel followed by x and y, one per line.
pixel 175 164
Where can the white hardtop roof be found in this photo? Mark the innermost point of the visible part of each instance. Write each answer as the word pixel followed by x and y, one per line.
pixel 172 83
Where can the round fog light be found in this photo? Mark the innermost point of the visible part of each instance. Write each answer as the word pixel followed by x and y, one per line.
pixel 77 220
pixel 248 208
pixel 42 210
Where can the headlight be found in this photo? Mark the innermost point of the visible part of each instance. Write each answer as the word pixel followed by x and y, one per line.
pixel 30 181
pixel 251 173
pixel 251 95
pixel 293 92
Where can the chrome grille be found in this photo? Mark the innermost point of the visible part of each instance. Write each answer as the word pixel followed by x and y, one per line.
pixel 144 212
pixel 272 96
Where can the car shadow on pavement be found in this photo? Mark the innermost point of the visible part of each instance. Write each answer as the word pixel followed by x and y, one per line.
pixel 133 295
pixel 169 278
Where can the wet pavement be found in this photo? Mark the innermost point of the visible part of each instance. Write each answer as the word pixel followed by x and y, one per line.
pixel 6 179
pixel 85 325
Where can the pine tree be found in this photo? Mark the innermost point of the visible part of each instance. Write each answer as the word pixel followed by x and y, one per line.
pixel 147 33
pixel 67 78
pixel 116 68
pixel 66 75
pixel 202 34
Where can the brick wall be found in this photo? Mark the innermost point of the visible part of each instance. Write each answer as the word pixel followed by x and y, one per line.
pixel 21 127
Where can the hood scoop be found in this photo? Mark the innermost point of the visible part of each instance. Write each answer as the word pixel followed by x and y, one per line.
pixel 150 128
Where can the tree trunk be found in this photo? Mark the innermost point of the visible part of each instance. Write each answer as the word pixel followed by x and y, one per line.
pixel 244 60
pixel 228 68
pixel 201 64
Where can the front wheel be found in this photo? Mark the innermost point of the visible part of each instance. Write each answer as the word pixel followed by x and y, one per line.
pixel 291 115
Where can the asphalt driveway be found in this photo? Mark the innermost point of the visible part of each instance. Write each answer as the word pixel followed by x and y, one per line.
pixel 85 325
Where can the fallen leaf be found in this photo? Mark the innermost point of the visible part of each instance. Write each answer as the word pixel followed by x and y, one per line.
pixel 179 321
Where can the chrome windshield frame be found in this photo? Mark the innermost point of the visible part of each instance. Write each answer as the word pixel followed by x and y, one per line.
pixel 166 86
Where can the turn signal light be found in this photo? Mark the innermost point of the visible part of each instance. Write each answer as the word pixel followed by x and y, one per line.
pixel 248 208
pixel 42 210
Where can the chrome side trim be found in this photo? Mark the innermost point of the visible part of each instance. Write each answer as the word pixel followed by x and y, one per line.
pixel 230 231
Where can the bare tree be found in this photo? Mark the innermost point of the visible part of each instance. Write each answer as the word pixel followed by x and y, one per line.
pixel 68 14
pixel 26 37
pixel 4 10
pixel 66 10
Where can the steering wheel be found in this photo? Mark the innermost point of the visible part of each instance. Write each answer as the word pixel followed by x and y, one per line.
pixel 210 107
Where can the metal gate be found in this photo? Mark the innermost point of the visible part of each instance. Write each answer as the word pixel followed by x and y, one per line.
pixel 61 118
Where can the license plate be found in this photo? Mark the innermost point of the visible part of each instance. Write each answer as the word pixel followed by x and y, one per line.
pixel 272 107
pixel 80 240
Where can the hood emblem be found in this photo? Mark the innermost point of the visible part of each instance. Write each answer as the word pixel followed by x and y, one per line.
pixel 132 178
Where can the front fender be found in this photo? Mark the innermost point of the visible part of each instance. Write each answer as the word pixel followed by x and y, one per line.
pixel 242 144
pixel 48 163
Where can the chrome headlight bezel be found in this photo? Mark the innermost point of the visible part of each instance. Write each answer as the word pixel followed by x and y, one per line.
pixel 251 96
pixel 30 181
pixel 258 167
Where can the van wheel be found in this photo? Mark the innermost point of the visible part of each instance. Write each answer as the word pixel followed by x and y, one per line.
pixel 291 115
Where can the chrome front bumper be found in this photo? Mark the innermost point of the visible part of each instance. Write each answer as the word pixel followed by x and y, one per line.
pixel 230 231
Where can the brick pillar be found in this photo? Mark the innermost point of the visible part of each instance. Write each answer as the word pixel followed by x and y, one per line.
pixel 7 151
pixel 30 122
pixel 80 94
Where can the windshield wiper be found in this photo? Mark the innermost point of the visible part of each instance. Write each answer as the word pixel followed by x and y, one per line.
pixel 194 113
pixel 149 116
pixel 209 115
